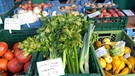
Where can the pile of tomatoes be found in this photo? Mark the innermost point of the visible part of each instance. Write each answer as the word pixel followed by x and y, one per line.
pixel 13 59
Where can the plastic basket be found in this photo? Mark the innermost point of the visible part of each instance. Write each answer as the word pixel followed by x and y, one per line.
pixel 6 5
pixel 3 2
pixel 116 35
pixel 16 35
pixel 55 3
pixel 36 24
pixel 117 23
pixel 94 68
pixel 130 32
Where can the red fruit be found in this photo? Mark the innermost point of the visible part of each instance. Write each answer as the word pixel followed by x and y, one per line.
pixel 3 48
pixel 15 66
pixel 21 58
pixel 15 46
pixel 9 55
pixel 26 67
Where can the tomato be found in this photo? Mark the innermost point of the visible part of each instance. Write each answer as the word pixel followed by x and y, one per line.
pixel 26 66
pixel 3 48
pixel 15 46
pixel 3 64
pixel 9 55
pixel 15 66
pixel 20 57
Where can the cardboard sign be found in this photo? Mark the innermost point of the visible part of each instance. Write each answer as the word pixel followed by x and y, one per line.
pixel 94 14
pixel 26 18
pixel 101 51
pixel 12 24
pixel 52 67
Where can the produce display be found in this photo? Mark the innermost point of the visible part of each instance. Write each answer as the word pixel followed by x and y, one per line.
pixel 100 5
pixel 67 33
pixel 57 35
pixel 117 58
pixel 112 12
pixel 13 60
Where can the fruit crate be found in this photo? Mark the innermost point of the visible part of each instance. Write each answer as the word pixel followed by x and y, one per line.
pixel 109 23
pixel 116 35
pixel 17 36
pixel 94 68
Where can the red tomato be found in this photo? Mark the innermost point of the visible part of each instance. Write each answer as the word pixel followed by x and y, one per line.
pixel 16 52
pixel 15 66
pixel 26 66
pixel 3 64
pixel 3 48
pixel 15 46
pixel 9 55
pixel 20 57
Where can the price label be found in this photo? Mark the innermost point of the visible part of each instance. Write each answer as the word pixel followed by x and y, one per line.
pixel 52 67
pixel 1 21
pixel 101 51
pixel 12 24
pixel 127 55
pixel 26 18
pixel 94 14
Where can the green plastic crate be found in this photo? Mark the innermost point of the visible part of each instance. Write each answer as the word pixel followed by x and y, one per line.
pixel 16 36
pixel 38 1
pixel 117 23
pixel 94 67
pixel 116 35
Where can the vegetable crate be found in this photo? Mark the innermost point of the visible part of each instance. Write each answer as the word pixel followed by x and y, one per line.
pixel 116 35
pixel 109 23
pixel 16 36
pixel 94 68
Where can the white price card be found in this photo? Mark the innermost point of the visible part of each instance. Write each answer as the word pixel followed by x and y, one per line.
pixel 128 12
pixel 127 55
pixel 101 51
pixel 1 20
pixel 94 14
pixel 52 67
pixel 12 24
pixel 26 18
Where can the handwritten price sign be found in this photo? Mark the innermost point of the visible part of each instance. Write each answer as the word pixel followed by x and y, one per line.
pixel 52 67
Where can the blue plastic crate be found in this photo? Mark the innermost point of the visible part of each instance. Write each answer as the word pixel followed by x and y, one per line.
pixel 4 9
pixel 130 32
pixel 78 2
pixel 3 2
pixel 36 24
pixel 81 9
pixel 55 3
